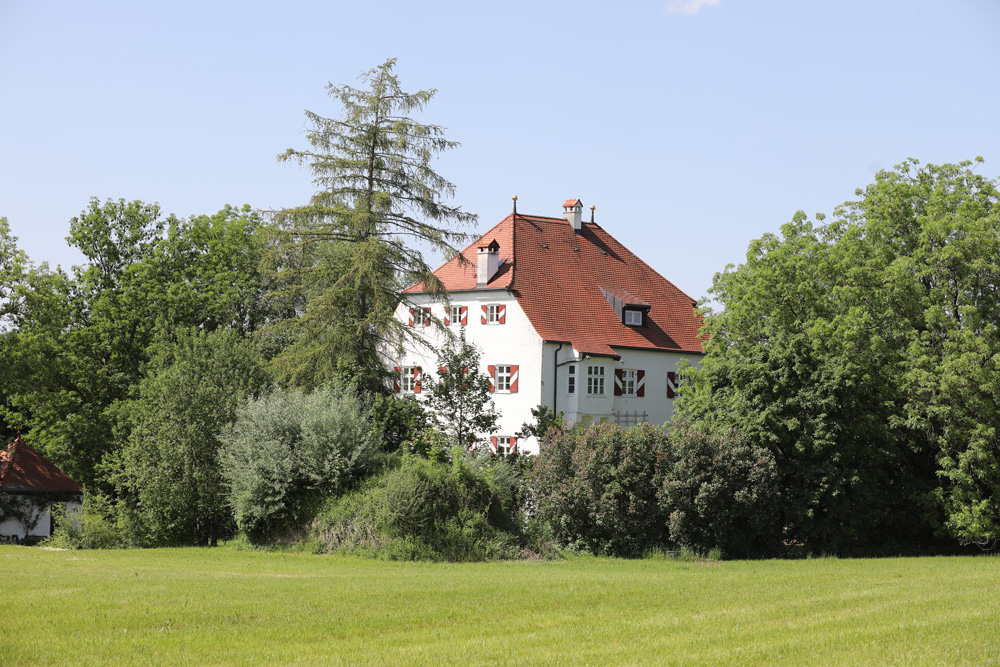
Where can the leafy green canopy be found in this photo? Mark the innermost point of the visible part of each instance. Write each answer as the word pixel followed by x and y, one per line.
pixel 346 256
pixel 863 354
pixel 167 475
pixel 460 398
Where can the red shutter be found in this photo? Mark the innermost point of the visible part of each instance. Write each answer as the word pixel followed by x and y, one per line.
pixel 640 383
pixel 411 317
pixel 513 444
pixel 513 379
pixel 503 314
pixel 485 311
pixel 446 311
pixel 464 311
pixel 618 382
pixel 427 317
pixel 493 444
pixel 671 384
pixel 416 380
pixel 395 381
pixel 492 370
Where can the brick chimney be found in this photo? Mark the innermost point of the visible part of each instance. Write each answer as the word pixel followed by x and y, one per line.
pixel 573 212
pixel 488 263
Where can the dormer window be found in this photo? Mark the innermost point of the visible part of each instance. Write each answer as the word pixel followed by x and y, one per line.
pixel 633 317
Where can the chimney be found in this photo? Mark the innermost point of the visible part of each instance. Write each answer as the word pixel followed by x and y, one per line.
pixel 488 262
pixel 573 212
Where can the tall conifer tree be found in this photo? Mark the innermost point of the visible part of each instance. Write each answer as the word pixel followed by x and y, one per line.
pixel 348 254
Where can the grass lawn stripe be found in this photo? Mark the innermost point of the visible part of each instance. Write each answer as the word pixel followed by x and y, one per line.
pixel 219 606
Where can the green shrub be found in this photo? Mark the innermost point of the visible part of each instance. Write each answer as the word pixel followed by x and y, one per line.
pixel 720 493
pixel 287 450
pixel 596 488
pixel 422 509
pixel 397 420
pixel 93 526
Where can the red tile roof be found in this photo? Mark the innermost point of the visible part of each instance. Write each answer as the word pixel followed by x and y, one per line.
pixel 570 202
pixel 557 276
pixel 23 470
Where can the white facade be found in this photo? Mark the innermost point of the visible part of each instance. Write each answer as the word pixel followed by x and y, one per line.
pixel 38 524
pixel 543 368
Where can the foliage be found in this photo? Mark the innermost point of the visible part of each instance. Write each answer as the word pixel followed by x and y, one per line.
pixel 287 449
pixel 346 256
pixel 79 344
pixel 397 420
pixel 859 353
pixel 545 420
pixel 419 509
pixel 93 526
pixel 461 398
pixel 167 475
pixel 597 488
pixel 720 493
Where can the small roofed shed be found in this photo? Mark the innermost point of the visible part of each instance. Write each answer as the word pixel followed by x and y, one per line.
pixel 30 485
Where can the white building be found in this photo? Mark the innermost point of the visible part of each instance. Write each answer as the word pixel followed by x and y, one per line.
pixel 29 485
pixel 564 316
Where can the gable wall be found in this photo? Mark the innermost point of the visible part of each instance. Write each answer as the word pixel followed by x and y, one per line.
pixel 514 342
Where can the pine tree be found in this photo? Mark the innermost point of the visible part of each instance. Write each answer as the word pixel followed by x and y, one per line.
pixel 349 253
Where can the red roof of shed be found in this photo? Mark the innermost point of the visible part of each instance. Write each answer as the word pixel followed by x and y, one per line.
pixel 557 276
pixel 23 470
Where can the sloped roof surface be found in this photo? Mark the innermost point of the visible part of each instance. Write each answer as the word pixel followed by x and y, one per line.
pixel 23 470
pixel 557 276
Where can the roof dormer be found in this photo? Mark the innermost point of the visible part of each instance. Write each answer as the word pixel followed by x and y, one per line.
pixel 631 310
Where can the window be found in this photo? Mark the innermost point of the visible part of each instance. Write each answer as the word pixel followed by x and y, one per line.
pixel 633 318
pixel 455 315
pixel 595 380
pixel 420 317
pixel 494 313
pixel 628 383
pixel 503 445
pixel 409 377
pixel 503 378
pixel 571 381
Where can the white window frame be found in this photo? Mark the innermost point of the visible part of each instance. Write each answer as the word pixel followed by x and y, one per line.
pixel 503 445
pixel 422 316
pixel 630 314
pixel 455 315
pixel 493 313
pixel 595 380
pixel 630 382
pixel 502 381
pixel 408 379
pixel 571 380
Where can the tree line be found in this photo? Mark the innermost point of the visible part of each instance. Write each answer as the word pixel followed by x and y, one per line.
pixel 225 373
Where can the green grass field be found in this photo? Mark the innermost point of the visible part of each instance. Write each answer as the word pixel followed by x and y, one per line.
pixel 219 606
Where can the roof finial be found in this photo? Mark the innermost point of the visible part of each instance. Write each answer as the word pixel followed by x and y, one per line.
pixel 515 204
pixel 592 214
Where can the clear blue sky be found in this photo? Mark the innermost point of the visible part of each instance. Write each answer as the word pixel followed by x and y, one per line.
pixel 693 126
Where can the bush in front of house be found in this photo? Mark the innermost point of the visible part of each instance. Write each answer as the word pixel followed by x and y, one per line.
pixel 720 493
pixel 93 526
pixel 288 449
pixel 467 508
pixel 596 488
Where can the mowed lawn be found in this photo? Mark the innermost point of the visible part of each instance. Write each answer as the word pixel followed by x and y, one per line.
pixel 219 606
